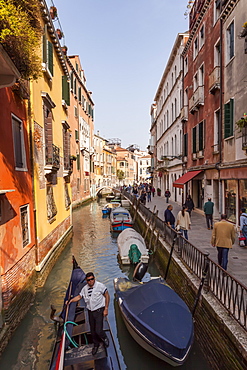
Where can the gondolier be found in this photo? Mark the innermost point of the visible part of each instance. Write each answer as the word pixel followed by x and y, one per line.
pixel 97 300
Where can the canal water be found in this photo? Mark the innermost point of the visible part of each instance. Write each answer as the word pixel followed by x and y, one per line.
pixel 95 249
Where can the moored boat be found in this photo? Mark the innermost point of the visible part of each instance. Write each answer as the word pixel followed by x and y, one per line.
pixel 129 243
pixel 73 344
pixel 157 318
pixel 109 206
pixel 120 219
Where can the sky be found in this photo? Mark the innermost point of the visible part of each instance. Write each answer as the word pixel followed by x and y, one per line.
pixel 124 46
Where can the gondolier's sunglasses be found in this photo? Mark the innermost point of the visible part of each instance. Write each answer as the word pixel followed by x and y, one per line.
pixel 90 279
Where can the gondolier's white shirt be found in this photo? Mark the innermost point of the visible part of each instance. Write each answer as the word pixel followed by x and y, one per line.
pixel 97 299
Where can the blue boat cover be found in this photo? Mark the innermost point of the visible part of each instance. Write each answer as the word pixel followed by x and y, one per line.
pixel 160 315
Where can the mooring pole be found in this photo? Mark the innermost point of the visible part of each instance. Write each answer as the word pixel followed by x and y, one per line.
pixel 204 275
pixel 170 256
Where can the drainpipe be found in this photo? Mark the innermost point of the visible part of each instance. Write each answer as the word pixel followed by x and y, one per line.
pixel 220 118
pixel 32 174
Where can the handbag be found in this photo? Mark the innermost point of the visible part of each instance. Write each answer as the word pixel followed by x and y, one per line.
pixel 241 240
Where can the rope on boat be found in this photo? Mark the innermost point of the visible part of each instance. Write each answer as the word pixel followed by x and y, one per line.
pixel 68 336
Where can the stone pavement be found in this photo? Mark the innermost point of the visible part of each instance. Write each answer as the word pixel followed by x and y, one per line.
pixel 200 237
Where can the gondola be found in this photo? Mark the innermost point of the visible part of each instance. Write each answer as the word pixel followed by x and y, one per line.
pixel 73 344
pixel 157 318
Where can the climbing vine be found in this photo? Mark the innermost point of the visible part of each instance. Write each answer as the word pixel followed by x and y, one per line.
pixel 20 34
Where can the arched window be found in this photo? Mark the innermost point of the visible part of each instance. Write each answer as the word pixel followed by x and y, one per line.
pixel 175 146
pixel 172 113
pixel 175 108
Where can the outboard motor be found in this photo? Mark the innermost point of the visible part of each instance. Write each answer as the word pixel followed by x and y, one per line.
pixel 140 271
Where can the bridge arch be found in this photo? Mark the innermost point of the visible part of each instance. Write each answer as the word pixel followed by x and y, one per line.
pixel 103 187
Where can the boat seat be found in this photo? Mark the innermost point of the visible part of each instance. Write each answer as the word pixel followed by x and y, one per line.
pixel 81 329
pixel 83 355
pixel 80 317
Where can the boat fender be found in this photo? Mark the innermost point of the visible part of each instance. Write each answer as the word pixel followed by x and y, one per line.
pixel 140 271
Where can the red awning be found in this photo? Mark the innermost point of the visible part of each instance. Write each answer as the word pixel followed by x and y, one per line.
pixel 179 183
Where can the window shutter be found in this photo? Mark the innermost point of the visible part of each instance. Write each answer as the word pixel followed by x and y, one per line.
pixel 78 162
pixel 194 140
pixel 44 49
pixel 185 145
pixel 71 81
pixel 17 128
pixel 201 136
pixel 50 57
pixel 79 94
pixel 65 90
pixel 228 119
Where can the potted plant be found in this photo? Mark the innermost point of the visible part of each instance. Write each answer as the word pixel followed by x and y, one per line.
pixel 53 12
pixel 64 49
pixel 242 122
pixel 244 31
pixel 59 33
pixel 159 192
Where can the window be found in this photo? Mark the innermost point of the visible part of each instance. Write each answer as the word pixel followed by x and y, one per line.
pixel 66 196
pixel 50 203
pixel 216 10
pixel 198 137
pixel 201 75
pixel 186 65
pixel 19 145
pixel 65 90
pixel 202 36
pixel 66 146
pixel 79 94
pixel 47 56
pixel 195 80
pixel 228 119
pixel 216 130
pixel 230 42
pixel 195 47
pixel 24 211
pixel 185 145
pixel 71 81
pixel 217 55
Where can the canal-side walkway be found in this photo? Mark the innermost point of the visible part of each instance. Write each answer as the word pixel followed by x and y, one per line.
pixel 200 237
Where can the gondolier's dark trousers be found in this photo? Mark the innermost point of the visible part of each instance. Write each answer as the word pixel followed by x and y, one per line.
pixel 96 325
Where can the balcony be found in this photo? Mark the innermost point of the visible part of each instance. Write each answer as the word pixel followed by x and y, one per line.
pixel 52 158
pixel 184 113
pixel 244 138
pixel 197 99
pixel 214 80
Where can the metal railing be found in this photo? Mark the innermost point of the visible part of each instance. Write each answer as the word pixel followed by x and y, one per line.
pixel 230 292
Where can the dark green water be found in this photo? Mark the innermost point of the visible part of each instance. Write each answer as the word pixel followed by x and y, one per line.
pixel 95 250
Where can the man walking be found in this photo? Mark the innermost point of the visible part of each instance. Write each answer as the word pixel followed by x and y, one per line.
pixel 223 237
pixel 209 210
pixel 97 300
pixel 243 224
pixel 167 195
pixel 169 217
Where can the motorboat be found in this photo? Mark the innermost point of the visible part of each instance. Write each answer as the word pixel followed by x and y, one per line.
pixel 129 243
pixel 157 318
pixel 120 219
pixel 109 206
pixel 73 343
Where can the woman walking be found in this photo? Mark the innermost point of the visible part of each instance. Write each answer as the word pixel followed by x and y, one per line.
pixel 183 222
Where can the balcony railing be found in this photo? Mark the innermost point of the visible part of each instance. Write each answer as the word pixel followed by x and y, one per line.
pixel 214 79
pixel 52 157
pixel 184 113
pixel 244 137
pixel 197 99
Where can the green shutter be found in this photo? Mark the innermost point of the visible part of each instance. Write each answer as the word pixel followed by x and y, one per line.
pixel 71 81
pixel 44 49
pixel 50 57
pixel 228 119
pixel 79 94
pixel 92 113
pixel 78 162
pixel 201 139
pixel 65 90
pixel 76 135
pixel 194 140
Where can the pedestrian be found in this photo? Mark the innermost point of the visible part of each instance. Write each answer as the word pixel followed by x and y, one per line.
pixel 169 217
pixel 97 300
pixel 149 192
pixel 243 224
pixel 143 197
pixel 167 195
pixel 223 237
pixel 135 191
pixel 183 222
pixel 189 204
pixel 209 210
pixel 153 190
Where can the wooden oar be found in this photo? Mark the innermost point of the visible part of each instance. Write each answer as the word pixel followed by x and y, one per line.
pixel 60 356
